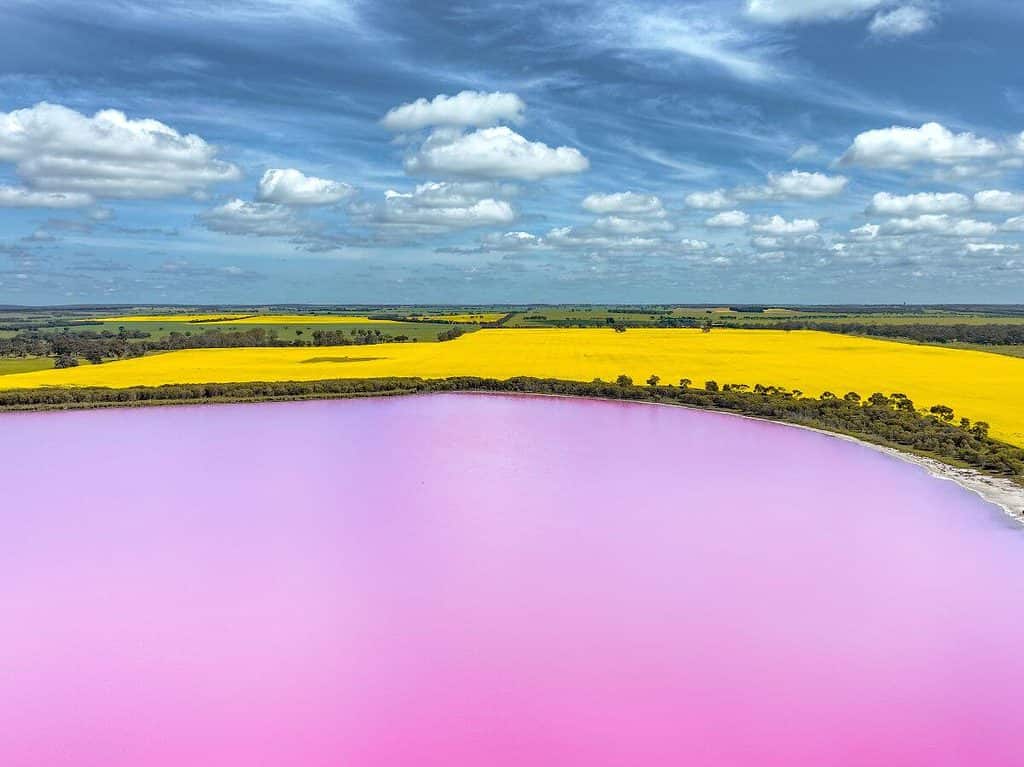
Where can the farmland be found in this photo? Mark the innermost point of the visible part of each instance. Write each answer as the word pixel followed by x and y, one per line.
pixel 977 385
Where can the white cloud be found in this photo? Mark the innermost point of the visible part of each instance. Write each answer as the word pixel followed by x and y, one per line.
pixel 107 155
pixel 453 194
pixel 865 232
pixel 468 109
pixel 901 22
pixel 992 247
pixel 782 11
pixel 767 243
pixel 444 205
pixel 683 31
pixel 18 197
pixel 719 199
pixel 494 153
pixel 1015 224
pixel 629 203
pixel 289 186
pixel 480 213
pixel 777 225
pixel 901 147
pixel 728 219
pixel 885 204
pixel 942 225
pixel 620 225
pixel 795 185
pixel 259 219
pixel 996 201
pixel 568 237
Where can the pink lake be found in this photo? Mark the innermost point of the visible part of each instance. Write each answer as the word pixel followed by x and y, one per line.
pixel 488 581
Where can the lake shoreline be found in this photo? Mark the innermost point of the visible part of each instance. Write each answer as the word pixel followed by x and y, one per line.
pixel 999 491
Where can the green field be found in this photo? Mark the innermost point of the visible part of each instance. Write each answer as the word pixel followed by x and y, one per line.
pixel 24 364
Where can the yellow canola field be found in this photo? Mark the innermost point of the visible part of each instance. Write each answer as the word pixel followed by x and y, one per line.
pixel 303 319
pixel 243 319
pixel 978 385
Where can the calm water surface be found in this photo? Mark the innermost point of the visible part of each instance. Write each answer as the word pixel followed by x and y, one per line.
pixel 482 581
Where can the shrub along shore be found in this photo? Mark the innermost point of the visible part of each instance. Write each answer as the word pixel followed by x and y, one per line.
pixel 888 420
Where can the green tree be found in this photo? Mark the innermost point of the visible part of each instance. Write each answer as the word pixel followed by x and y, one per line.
pixel 684 382
pixel 711 385
pixel 624 380
pixel 653 380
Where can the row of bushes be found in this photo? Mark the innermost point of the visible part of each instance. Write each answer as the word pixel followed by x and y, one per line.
pixel 884 419
pixel 97 347
pixel 1003 334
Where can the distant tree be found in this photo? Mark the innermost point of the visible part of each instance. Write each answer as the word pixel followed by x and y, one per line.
pixel 980 429
pixel 705 326
pixel 624 380
pixel 619 327
pixel 827 395
pixel 684 382
pixel 653 380
pixel 711 385
pixel 942 411
pixel 445 335
pixel 852 396
pixel 65 361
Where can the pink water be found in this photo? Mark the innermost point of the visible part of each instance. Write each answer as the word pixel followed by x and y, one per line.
pixel 481 581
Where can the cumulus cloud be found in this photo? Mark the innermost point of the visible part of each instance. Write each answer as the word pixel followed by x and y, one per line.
pixel 258 219
pixel 18 197
pixel 629 203
pixel 1015 224
pixel 902 147
pixel 795 185
pixel 468 109
pixel 494 153
pixel 288 186
pixel 940 224
pixel 442 206
pixel 901 22
pixel 885 204
pixel 57 149
pixel 777 225
pixel 719 199
pixel 783 11
pixel 728 219
pixel 997 201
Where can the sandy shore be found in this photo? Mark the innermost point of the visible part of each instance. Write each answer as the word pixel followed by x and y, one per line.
pixel 1007 495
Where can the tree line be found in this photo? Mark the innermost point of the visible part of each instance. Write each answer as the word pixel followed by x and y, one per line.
pixel 67 348
pixel 891 419
pixel 1002 334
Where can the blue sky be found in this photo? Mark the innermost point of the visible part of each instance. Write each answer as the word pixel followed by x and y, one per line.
pixel 332 151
